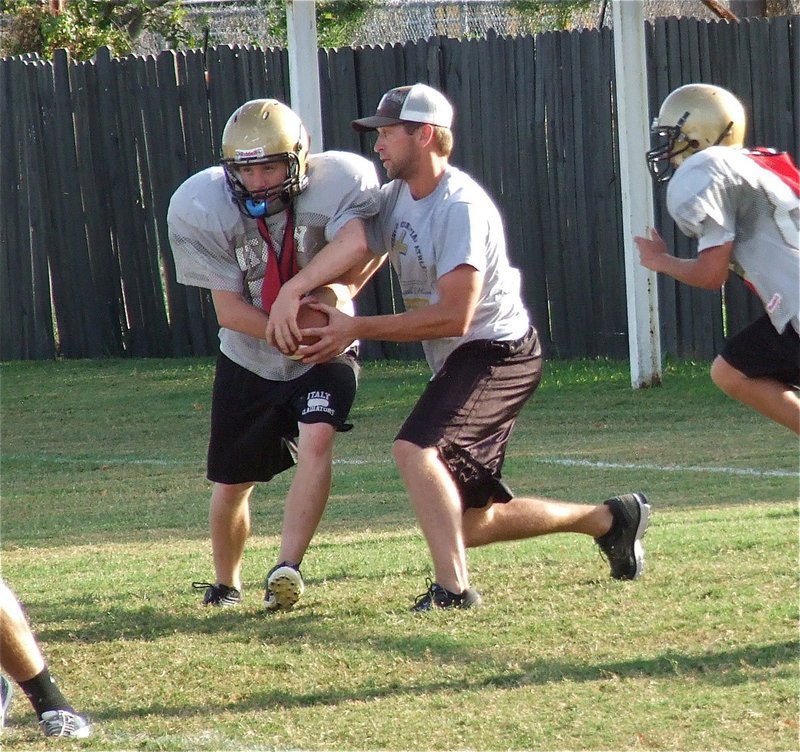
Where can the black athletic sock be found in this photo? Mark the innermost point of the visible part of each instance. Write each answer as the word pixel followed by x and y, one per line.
pixel 44 694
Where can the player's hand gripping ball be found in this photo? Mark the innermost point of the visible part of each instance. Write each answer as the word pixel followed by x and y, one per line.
pixel 308 318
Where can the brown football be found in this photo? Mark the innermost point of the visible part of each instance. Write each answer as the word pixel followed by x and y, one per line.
pixel 308 318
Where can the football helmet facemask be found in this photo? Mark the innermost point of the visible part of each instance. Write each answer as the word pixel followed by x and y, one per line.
pixel 258 132
pixel 692 118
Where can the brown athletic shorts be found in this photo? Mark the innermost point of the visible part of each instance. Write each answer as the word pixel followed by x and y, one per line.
pixel 469 408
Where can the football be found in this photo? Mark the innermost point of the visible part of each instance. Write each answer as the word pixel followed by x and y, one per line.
pixel 308 318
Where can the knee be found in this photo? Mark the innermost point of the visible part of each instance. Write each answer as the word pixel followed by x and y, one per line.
pixel 406 455
pixel 726 377
pixel 231 494
pixel 9 605
pixel 475 525
pixel 315 441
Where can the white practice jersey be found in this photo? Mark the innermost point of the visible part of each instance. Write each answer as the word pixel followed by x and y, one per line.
pixel 721 194
pixel 427 238
pixel 218 248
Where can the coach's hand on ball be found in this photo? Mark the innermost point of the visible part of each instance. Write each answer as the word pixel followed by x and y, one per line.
pixel 334 338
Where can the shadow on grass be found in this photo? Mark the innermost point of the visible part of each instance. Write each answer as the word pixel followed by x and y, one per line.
pixel 268 522
pixel 247 624
pixel 726 668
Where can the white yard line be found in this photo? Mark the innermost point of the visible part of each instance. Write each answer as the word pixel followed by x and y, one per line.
pixel 563 461
pixel 665 468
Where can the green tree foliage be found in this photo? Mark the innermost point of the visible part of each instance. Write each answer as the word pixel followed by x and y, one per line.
pixel 336 21
pixel 82 26
pixel 551 15
pixel 85 25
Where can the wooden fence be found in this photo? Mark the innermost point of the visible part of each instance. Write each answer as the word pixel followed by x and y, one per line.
pixel 90 154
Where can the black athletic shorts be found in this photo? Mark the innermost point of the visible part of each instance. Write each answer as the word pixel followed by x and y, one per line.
pixel 758 351
pixel 469 408
pixel 254 420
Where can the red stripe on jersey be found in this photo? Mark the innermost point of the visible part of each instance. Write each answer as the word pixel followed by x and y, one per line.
pixel 780 163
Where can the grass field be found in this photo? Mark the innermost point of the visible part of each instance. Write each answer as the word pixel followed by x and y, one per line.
pixel 104 527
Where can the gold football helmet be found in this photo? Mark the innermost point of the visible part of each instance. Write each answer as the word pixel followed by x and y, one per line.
pixel 692 118
pixel 260 131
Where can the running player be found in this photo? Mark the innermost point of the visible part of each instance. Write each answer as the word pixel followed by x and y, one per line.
pixel 742 206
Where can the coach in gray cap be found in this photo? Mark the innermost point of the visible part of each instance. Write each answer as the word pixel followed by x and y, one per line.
pixel 409 104
pixel 445 239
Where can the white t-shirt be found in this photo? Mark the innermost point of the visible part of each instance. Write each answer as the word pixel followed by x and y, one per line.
pixel 721 194
pixel 217 247
pixel 427 238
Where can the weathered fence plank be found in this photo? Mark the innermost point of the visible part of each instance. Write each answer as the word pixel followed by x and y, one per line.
pixel 94 151
pixel 27 325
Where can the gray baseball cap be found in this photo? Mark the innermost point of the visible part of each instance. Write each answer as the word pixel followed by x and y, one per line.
pixel 409 104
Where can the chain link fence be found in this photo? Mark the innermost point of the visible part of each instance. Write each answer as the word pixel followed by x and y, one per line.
pixel 252 22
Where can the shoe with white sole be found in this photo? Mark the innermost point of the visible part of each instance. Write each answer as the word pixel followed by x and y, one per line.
pixel 65 723
pixel 622 545
pixel 6 691
pixel 284 587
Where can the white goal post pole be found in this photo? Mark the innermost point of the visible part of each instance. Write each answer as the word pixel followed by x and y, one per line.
pixel 301 28
pixel 633 130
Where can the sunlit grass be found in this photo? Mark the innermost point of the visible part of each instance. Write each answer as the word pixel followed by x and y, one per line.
pixel 104 527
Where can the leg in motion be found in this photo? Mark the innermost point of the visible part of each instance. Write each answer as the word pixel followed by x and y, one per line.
pixel 618 526
pixel 229 518
pixel 305 505
pixel 22 659
pixel 437 505
pixel 770 397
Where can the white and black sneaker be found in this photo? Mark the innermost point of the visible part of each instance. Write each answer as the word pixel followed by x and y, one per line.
pixel 622 545
pixel 284 586
pixel 219 595
pixel 436 597
pixel 65 723
pixel 6 691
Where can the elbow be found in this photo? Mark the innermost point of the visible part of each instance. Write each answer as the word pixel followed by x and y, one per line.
pixel 713 281
pixel 712 265
pixel 458 327
pixel 228 308
pixel 224 320
pixel 227 316
pixel 452 331
pixel 462 329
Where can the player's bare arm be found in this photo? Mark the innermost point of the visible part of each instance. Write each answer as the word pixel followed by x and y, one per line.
pixel 346 249
pixel 708 270
pixel 341 292
pixel 234 312
pixel 354 279
pixel 450 316
pixel 238 314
